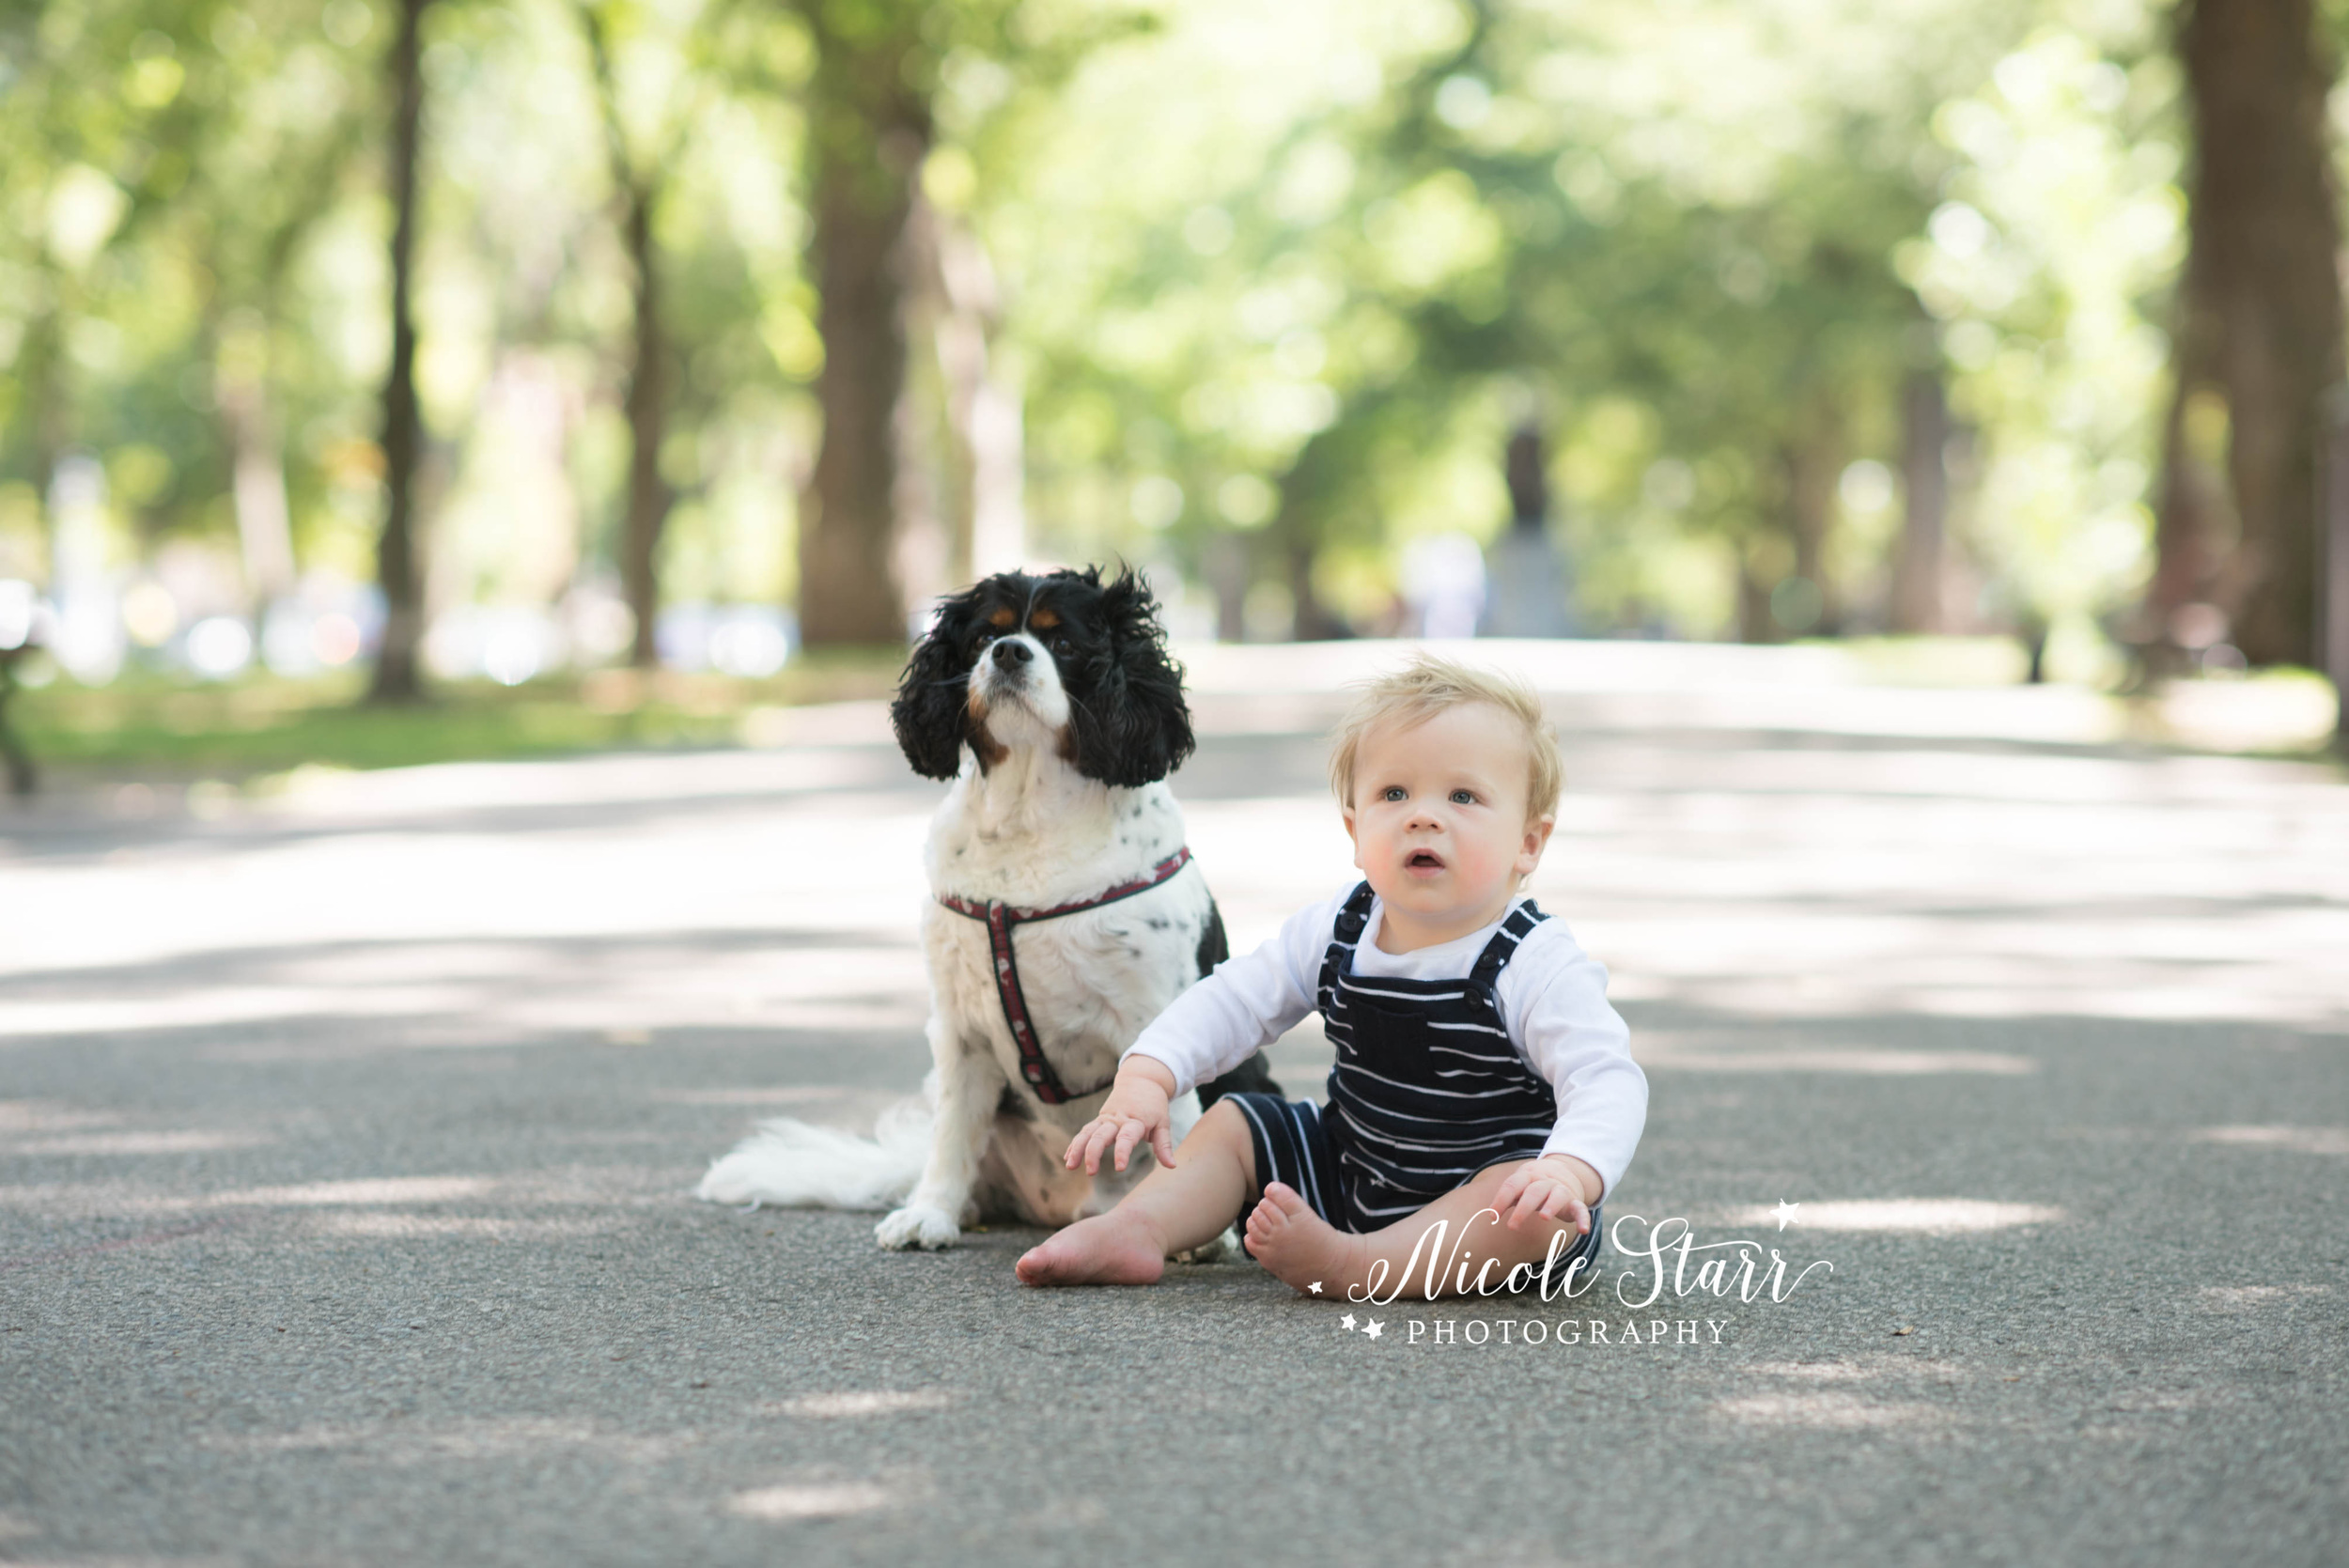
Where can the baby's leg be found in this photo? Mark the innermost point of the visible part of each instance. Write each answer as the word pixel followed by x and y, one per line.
pixel 1176 1208
pixel 1301 1248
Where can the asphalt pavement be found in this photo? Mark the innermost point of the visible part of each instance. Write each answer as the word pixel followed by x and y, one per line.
pixel 347 1132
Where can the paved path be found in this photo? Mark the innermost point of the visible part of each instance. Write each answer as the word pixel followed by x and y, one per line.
pixel 343 1146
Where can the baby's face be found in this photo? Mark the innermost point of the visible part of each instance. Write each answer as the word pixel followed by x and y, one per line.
pixel 1439 817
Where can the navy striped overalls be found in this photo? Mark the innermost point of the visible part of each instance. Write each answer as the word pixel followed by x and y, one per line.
pixel 1427 1089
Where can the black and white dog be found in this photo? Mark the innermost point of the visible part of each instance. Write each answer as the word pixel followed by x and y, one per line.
pixel 1067 913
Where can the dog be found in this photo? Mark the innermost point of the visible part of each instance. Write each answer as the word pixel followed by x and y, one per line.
pixel 1066 913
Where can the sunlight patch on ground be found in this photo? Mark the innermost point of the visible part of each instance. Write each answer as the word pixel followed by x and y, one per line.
pixel 514 1437
pixel 49 1117
pixel 212 1007
pixel 2236 1299
pixel 682 875
pixel 876 1402
pixel 377 1190
pixel 1826 1410
pixel 1871 1062
pixel 1816 1372
pixel 802 1095
pixel 104 1144
pixel 824 1501
pixel 377 1224
pixel 2302 1140
pixel 1920 1216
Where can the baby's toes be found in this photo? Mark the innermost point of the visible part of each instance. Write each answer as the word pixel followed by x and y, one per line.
pixel 1285 1201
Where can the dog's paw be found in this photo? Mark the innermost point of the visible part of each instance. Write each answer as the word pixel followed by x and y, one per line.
pixel 916 1226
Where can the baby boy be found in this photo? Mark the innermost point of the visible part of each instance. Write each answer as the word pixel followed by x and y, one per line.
pixel 1479 1064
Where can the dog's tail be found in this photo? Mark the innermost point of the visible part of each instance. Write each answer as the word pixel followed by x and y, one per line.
pixel 790 1164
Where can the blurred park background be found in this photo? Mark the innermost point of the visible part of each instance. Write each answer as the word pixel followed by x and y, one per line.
pixel 396 380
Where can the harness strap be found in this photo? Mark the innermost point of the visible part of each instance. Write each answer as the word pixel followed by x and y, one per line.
pixel 1000 919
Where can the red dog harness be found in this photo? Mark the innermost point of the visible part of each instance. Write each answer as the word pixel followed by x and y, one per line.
pixel 1001 918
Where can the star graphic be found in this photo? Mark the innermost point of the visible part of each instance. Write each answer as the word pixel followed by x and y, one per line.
pixel 1784 1211
pixel 1315 1287
pixel 1369 1330
pixel 1346 1323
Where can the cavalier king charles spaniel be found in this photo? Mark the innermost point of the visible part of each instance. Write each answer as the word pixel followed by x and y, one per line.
pixel 1066 913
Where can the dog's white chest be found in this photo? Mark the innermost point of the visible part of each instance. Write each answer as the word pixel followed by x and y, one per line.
pixel 1087 982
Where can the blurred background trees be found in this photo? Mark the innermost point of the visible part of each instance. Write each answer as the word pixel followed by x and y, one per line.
pixel 491 337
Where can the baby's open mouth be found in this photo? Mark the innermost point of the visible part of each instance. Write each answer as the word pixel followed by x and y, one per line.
pixel 1424 860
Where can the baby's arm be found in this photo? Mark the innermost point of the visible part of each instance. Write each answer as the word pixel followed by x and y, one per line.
pixel 1246 1004
pixel 1137 1108
pixel 1555 996
pixel 1556 1185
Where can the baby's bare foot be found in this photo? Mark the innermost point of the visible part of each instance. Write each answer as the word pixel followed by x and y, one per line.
pixel 1302 1249
pixel 1106 1249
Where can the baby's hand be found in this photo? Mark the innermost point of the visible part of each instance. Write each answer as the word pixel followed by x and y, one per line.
pixel 1136 1110
pixel 1554 1185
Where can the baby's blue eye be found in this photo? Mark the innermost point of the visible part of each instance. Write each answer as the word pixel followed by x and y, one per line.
pixel 1393 792
pixel 1464 796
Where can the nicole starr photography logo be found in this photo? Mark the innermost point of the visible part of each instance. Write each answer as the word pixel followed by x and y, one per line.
pixel 1670 1259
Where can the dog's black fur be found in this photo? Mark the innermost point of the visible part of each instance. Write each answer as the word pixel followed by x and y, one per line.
pixel 1129 725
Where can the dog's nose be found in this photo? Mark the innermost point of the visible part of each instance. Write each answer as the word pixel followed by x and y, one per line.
pixel 1011 653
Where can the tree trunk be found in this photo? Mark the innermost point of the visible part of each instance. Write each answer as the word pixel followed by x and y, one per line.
pixel 1223 562
pixel 397 678
pixel 1812 465
pixel 2193 524
pixel 989 533
pixel 40 369
pixel 257 488
pixel 646 399
pixel 1295 531
pixel 2265 242
pixel 16 758
pixel 648 494
pixel 1753 603
pixel 1917 571
pixel 2334 623
pixel 868 130
pixel 1313 620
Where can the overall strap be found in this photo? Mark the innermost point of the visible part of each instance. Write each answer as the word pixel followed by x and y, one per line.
pixel 1000 918
pixel 1503 946
pixel 1355 915
pixel 1343 935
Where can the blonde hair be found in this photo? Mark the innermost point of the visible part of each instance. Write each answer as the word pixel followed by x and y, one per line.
pixel 1427 686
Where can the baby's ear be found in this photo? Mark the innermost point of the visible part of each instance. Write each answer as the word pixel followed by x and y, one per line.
pixel 931 713
pixel 1538 839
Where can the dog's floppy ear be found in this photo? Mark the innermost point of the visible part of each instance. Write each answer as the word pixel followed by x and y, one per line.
pixel 930 712
pixel 1132 728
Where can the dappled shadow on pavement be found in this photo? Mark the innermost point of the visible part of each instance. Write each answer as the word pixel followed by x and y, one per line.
pixel 343 1161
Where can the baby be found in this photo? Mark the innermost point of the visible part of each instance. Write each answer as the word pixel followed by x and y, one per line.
pixel 1479 1066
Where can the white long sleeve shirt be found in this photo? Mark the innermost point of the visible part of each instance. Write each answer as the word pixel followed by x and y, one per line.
pixel 1553 1001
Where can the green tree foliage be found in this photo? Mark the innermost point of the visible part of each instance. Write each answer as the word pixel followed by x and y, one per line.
pixel 1674 234
pixel 1271 285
